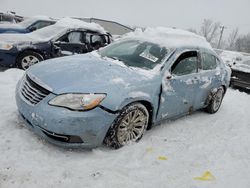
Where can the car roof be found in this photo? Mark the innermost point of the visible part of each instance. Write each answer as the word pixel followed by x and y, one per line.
pixel 71 23
pixel 170 38
pixel 44 18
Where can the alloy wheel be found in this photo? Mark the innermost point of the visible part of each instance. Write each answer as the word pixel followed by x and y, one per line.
pixel 132 126
pixel 218 99
pixel 28 61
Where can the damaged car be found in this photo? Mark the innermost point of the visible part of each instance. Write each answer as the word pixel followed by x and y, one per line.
pixel 66 37
pixel 113 95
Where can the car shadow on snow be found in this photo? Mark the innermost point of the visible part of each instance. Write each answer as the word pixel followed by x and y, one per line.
pixel 241 89
pixel 2 69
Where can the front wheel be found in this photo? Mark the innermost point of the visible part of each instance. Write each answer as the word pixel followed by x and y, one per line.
pixel 215 101
pixel 27 59
pixel 129 126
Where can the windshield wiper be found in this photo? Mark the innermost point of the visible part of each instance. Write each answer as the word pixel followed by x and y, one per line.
pixel 114 58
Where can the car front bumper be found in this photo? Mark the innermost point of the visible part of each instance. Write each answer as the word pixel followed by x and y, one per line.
pixel 8 58
pixel 55 124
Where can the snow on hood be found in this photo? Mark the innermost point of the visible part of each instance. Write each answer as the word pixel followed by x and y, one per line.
pixel 75 23
pixel 242 67
pixel 170 37
pixel 85 74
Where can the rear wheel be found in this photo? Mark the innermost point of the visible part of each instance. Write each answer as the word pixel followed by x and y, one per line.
pixel 27 59
pixel 129 126
pixel 215 101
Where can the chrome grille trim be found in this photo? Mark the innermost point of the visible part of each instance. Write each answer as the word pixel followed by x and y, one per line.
pixel 32 92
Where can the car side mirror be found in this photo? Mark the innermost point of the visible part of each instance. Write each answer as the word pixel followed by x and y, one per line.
pixel 169 77
pixel 33 29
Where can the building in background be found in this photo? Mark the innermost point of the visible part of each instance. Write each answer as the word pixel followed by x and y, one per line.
pixel 114 28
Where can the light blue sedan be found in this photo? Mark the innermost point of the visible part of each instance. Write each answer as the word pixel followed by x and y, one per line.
pixel 113 95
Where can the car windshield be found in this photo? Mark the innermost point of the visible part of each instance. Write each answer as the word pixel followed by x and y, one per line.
pixel 48 32
pixel 28 22
pixel 136 53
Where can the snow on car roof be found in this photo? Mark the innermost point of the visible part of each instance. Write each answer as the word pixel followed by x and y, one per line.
pixel 73 23
pixel 40 17
pixel 170 37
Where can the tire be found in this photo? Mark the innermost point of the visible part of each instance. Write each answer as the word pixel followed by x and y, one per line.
pixel 27 59
pixel 124 130
pixel 215 101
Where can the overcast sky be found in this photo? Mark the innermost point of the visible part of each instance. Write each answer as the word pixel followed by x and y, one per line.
pixel 173 13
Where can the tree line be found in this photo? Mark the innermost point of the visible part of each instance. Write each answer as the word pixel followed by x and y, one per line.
pixel 213 32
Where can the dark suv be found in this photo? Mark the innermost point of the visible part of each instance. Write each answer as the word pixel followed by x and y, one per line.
pixel 66 37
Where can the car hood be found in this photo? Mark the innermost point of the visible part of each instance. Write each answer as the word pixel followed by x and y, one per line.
pixel 17 38
pixel 87 74
pixel 242 68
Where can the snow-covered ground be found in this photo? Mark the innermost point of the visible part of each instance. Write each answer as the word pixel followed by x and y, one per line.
pixel 170 155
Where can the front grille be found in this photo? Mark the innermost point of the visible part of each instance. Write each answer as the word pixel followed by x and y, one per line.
pixel 32 92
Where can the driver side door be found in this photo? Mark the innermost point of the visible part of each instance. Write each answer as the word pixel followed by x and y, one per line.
pixel 178 86
pixel 72 43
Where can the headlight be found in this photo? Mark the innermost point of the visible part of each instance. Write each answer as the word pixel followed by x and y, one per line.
pixel 78 102
pixel 4 46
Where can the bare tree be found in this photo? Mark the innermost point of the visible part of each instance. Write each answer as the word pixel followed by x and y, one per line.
pixel 210 30
pixel 192 30
pixel 232 38
pixel 243 43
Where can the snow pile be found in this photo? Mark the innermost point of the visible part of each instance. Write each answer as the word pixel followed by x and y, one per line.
pixel 170 37
pixel 181 153
pixel 75 23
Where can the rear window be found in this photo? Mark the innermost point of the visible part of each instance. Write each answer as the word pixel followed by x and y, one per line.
pixel 209 62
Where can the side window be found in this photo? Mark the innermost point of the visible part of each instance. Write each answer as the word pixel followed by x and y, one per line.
pixel 72 37
pixel 95 40
pixel 209 62
pixel 187 63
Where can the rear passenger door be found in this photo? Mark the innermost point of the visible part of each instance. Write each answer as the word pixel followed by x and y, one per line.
pixel 209 78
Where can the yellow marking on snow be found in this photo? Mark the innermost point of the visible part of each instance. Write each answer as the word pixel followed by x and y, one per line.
pixel 149 150
pixel 207 176
pixel 162 158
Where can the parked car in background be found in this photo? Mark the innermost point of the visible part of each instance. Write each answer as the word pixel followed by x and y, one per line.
pixel 113 95
pixel 114 28
pixel 10 18
pixel 28 25
pixel 241 75
pixel 67 36
pixel 230 58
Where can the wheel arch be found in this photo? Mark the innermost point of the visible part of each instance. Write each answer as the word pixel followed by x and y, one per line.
pixel 40 52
